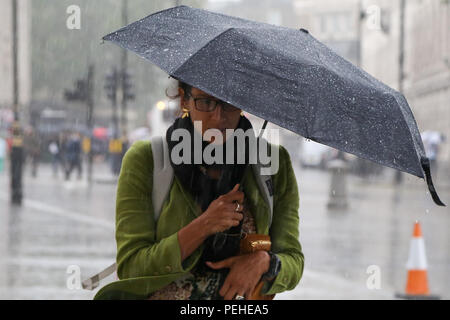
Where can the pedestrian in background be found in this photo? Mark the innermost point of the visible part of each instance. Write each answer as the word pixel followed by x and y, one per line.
pixel 431 142
pixel 73 155
pixel 53 148
pixel 32 146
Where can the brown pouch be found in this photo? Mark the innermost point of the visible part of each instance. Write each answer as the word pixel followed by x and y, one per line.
pixel 255 242
pixel 251 243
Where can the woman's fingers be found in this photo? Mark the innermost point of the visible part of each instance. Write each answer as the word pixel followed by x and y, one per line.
pixel 229 292
pixel 230 295
pixel 231 207
pixel 229 223
pixel 248 293
pixel 225 287
pixel 233 216
pixel 234 195
pixel 231 198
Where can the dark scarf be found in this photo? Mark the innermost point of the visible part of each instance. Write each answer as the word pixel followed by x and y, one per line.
pixel 204 189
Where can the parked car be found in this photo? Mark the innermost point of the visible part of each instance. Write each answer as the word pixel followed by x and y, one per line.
pixel 314 155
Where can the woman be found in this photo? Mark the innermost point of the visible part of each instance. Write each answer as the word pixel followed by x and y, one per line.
pixel 177 256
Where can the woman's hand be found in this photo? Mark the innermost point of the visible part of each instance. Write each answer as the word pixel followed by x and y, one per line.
pixel 221 213
pixel 219 216
pixel 245 273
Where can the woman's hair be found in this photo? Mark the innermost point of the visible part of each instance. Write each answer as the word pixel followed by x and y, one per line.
pixel 186 89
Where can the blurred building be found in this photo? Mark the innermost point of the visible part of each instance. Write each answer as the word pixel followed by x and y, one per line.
pixel 380 34
pixel 6 57
pixel 332 22
pixel 426 76
pixel 335 23
pixel 268 11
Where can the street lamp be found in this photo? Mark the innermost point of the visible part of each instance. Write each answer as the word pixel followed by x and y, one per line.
pixel 17 137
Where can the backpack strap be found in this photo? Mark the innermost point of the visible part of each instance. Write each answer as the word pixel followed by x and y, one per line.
pixel 162 181
pixel 162 173
pixel 265 185
pixel 93 282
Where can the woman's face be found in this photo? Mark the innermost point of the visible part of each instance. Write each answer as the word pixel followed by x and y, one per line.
pixel 217 119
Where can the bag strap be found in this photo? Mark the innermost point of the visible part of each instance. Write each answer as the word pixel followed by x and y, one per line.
pixel 265 184
pixel 93 282
pixel 162 181
pixel 162 174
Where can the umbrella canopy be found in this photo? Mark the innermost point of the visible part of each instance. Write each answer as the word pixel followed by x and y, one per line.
pixel 284 76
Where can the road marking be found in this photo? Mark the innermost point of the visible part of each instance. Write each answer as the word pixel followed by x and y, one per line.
pixel 57 211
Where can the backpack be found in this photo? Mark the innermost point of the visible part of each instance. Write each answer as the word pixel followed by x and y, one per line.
pixel 163 175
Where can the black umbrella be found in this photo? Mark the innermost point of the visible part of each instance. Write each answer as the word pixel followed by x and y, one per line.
pixel 285 76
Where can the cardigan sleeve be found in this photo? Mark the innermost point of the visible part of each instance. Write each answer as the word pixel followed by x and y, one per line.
pixel 138 252
pixel 284 230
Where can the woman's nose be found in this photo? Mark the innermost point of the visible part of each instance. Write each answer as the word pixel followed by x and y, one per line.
pixel 218 113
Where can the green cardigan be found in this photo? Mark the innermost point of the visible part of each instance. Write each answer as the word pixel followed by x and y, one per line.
pixel 148 253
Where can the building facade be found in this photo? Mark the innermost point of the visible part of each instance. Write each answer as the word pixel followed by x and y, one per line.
pixel 426 72
pixel 427 68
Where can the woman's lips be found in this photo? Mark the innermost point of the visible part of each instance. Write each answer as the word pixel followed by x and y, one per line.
pixel 223 130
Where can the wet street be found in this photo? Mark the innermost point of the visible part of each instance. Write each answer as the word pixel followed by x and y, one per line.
pixel 68 223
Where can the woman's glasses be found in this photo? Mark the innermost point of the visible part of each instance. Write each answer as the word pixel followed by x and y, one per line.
pixel 209 105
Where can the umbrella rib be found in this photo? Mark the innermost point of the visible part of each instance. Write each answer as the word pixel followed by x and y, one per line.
pixel 104 38
pixel 201 48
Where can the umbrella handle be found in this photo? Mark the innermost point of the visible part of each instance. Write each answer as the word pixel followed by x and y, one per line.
pixel 263 128
pixel 426 168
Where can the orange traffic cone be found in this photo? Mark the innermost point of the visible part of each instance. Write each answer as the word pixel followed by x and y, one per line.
pixel 417 283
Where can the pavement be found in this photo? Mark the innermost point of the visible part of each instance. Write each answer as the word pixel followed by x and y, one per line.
pixel 66 228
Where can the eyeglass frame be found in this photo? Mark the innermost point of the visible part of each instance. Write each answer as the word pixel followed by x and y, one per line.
pixel 224 104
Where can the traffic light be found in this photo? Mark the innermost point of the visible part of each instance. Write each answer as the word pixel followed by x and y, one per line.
pixel 80 93
pixel 111 85
pixel 127 87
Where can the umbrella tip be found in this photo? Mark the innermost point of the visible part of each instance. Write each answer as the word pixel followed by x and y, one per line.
pixel 263 128
pixel 426 168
